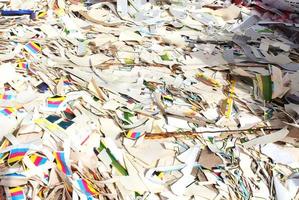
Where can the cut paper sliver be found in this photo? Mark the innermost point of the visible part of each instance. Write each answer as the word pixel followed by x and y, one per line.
pixel 273 137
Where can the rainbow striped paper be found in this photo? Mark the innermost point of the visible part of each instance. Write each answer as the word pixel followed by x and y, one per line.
pixel 55 101
pixel 16 155
pixel 7 111
pixel 6 96
pixel 66 82
pixel 23 65
pixel 61 163
pixel 16 193
pixel 86 188
pixel 33 48
pixel 133 134
pixel 38 160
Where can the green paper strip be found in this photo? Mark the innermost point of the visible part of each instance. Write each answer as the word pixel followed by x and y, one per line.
pixel 129 61
pixel 115 163
pixel 165 57
pixel 265 85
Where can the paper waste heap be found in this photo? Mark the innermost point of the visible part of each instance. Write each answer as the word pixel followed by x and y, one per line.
pixel 149 100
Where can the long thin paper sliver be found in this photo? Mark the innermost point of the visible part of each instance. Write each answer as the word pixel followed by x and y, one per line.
pixel 86 188
pixel 207 80
pixel 270 138
pixel 230 101
pixel 61 163
pixel 15 175
pixel 115 163
pixel 229 107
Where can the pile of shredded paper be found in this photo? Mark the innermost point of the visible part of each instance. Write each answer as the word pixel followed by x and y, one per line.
pixel 149 100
